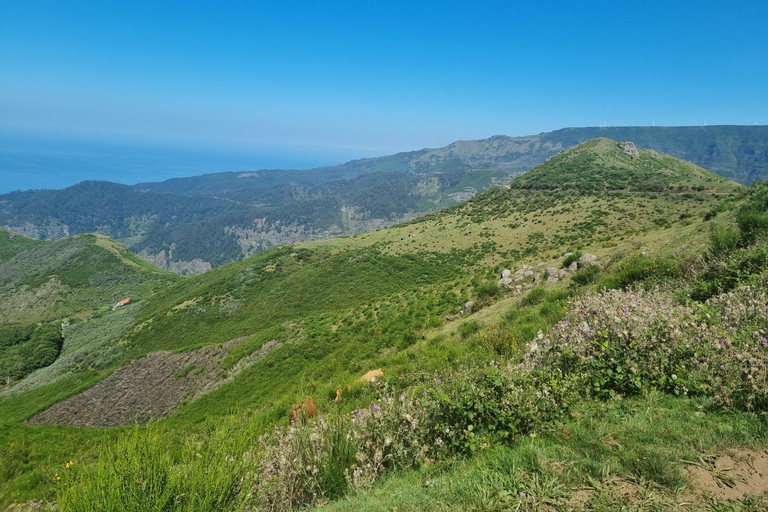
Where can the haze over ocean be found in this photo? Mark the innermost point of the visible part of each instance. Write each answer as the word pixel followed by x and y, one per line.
pixel 49 163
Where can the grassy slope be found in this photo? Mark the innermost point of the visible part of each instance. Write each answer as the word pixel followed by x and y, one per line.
pixel 379 299
pixel 45 281
pixel 623 455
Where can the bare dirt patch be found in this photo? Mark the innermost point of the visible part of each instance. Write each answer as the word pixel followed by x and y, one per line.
pixel 730 476
pixel 145 389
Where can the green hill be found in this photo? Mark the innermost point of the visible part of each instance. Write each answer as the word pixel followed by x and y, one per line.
pixel 189 225
pixel 473 369
pixel 46 281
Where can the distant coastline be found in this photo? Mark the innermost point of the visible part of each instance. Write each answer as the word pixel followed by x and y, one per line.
pixel 28 162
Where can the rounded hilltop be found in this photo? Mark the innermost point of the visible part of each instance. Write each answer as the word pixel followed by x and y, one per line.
pixel 606 164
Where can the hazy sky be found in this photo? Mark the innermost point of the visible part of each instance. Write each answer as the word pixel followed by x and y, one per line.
pixel 375 76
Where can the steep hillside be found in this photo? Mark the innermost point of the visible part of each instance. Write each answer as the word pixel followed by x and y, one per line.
pixel 189 225
pixel 46 281
pixel 225 354
pixel 357 290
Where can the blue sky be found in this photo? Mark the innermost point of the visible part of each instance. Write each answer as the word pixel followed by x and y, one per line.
pixel 374 77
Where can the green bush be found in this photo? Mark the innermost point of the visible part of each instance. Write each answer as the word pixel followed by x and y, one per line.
pixel 535 296
pixel 27 348
pixel 586 275
pixel 469 328
pixel 570 259
pixel 643 268
pixel 723 240
pixel 486 292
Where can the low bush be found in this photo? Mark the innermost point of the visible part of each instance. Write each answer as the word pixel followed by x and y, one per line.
pixel 586 275
pixel 486 292
pixel 469 328
pixel 643 268
pixel 570 259
pixel 625 342
pixel 535 296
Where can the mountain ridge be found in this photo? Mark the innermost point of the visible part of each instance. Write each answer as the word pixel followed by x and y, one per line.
pixel 202 222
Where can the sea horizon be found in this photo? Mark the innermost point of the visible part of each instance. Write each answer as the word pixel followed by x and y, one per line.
pixel 29 162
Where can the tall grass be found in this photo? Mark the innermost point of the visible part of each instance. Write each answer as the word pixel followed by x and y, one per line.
pixel 144 471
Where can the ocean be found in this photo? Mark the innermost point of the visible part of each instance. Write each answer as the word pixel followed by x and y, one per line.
pixel 48 163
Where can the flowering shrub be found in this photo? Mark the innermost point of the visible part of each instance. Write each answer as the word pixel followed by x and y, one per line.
pixel 464 409
pixel 320 461
pixel 479 405
pixel 621 342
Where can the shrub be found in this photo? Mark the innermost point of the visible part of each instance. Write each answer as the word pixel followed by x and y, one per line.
pixel 469 328
pixel 535 296
pixel 642 268
pixel 586 275
pixel 570 259
pixel 486 292
pixel 502 341
pixel 723 240
pixel 309 464
pixel 478 406
pixel 624 342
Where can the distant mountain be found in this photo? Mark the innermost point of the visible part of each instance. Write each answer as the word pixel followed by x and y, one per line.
pixel 190 225
pixel 739 153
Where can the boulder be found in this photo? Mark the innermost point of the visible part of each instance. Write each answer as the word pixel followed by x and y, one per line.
pixel 468 307
pixel 505 281
pixel 505 273
pixel 587 258
pixel 630 149
pixel 573 267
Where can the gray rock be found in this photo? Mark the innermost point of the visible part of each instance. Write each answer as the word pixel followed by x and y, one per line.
pixel 468 306
pixel 505 281
pixel 528 273
pixel 505 273
pixel 562 273
pixel 630 149
pixel 573 267
pixel 588 258
pixel 567 254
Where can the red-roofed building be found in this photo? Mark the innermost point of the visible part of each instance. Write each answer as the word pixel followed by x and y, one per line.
pixel 122 303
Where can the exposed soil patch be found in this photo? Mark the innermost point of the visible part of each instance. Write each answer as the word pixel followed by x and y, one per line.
pixel 145 389
pixel 730 476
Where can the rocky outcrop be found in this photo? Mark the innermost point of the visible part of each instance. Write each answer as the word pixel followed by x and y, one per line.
pixel 630 149
pixel 528 276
